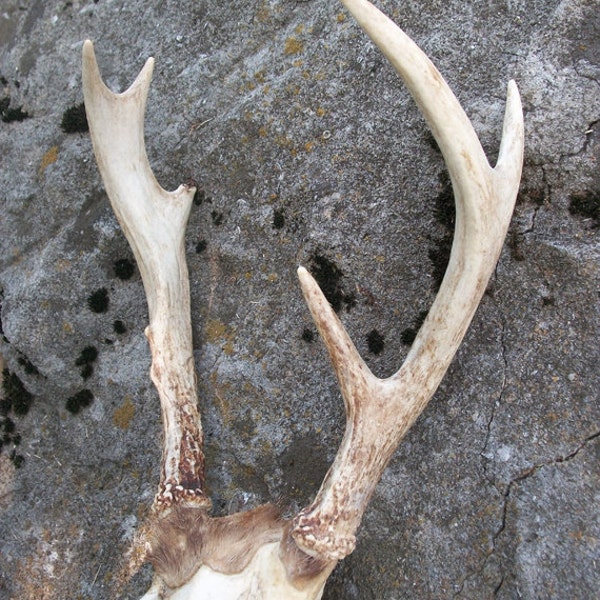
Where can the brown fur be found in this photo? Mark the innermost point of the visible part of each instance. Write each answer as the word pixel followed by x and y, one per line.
pixel 186 538
pixel 302 568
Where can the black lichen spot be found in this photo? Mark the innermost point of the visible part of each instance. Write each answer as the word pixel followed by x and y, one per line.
pixel 88 355
pixel 98 301
pixel 8 115
pixel 278 218
pixel 548 301
pixel 445 215
pixel 308 335
pixel 19 400
pixel 78 401
pixel 17 459
pixel 217 217
pixel 439 255
pixel 8 426
pixel 200 196
pixel 586 205
pixel 5 406
pixel 74 120
pixel 375 342
pixel 201 246
pixel 445 208
pixel 124 268
pixel 119 327
pixel 86 371
pixel 329 277
pixel 408 336
pixel 16 397
pixel 28 366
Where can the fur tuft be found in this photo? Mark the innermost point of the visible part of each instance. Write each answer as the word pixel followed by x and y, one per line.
pixel 185 538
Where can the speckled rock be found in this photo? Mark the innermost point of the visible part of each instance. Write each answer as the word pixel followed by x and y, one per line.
pixel 307 149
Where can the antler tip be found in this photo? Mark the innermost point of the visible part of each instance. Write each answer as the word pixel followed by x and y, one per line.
pixel 308 284
pixel 88 52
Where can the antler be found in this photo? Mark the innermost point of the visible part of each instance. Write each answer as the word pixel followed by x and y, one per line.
pixel 380 411
pixel 193 554
pixel 154 222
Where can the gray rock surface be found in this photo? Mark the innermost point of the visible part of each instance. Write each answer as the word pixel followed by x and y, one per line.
pixel 307 147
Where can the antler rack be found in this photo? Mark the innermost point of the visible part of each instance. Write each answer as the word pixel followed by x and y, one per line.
pixel 257 554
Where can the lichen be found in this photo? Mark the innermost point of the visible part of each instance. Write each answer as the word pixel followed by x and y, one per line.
pixel 74 120
pixel 123 415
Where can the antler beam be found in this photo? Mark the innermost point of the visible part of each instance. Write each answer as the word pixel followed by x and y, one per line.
pixel 154 222
pixel 380 411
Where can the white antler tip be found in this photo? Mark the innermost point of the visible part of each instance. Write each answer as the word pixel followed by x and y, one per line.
pixel 302 273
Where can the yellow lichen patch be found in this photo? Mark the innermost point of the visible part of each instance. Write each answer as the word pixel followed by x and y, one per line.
pixel 7 481
pixel 215 330
pixel 321 112
pixel 293 46
pixel 292 89
pixel 123 415
pixel 284 141
pixel 221 392
pixel 341 17
pixel 264 13
pixel 48 159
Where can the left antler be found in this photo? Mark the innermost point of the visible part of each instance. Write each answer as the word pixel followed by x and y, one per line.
pixel 200 556
pixel 257 555
pixel 154 222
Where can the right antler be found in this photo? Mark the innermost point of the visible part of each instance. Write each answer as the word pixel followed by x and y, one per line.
pixel 380 411
pixel 257 555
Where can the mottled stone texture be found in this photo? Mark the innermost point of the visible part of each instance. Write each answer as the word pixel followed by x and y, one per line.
pixel 307 149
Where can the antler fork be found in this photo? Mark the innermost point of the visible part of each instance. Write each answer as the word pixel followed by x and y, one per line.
pixel 380 411
pixel 256 554
pixel 154 222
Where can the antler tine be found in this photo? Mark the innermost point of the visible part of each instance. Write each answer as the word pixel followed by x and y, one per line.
pixel 380 411
pixel 154 222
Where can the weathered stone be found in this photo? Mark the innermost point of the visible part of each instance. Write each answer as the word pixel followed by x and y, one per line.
pixel 305 144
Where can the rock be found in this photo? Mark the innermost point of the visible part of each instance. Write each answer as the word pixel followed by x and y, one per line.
pixel 306 147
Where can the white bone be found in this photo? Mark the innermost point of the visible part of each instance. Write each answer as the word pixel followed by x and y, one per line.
pixel 153 221
pixel 380 411
pixel 256 555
